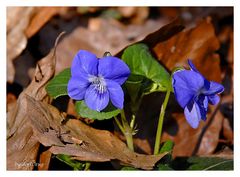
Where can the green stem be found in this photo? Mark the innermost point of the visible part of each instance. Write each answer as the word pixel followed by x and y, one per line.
pixel 127 131
pixel 132 123
pixel 119 125
pixel 160 123
pixel 129 141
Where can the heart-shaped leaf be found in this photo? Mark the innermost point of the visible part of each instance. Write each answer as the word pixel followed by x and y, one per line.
pixel 58 85
pixel 84 111
pixel 147 75
pixel 141 62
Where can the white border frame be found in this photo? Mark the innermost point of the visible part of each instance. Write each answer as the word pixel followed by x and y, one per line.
pixel 5 3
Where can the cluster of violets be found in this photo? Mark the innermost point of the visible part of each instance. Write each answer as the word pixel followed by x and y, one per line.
pixel 98 81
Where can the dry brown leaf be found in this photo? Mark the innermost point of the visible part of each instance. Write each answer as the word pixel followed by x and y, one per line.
pixel 225 36
pixel 44 162
pixel 225 153
pixel 71 108
pixel 23 23
pixel 143 145
pixel 210 133
pixel 11 101
pixel 227 131
pixel 141 15
pixel 230 50
pixel 17 21
pixel 198 44
pixel 22 145
pixel 162 34
pixel 127 11
pixel 79 140
pixel 136 15
pixel 189 141
pixel 170 12
pixel 73 138
pixel 41 17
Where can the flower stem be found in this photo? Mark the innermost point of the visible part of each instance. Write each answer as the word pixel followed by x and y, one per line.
pixel 119 125
pixel 160 123
pixel 126 130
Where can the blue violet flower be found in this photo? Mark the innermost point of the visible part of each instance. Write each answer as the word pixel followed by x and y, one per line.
pixel 193 92
pixel 96 81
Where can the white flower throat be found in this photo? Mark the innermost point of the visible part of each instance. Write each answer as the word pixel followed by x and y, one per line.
pixel 98 82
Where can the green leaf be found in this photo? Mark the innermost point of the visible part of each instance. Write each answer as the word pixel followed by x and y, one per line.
pixel 135 86
pixel 141 62
pixel 58 85
pixel 76 165
pixel 164 163
pixel 167 146
pixel 147 75
pixel 210 163
pixel 84 111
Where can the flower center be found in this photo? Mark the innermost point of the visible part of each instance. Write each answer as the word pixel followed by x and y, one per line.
pixel 98 82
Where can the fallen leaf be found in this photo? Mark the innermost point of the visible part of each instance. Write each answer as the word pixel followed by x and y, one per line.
pixel 210 133
pixel 189 141
pixel 143 145
pixel 80 140
pixel 226 153
pixel 170 12
pixel 22 145
pixel 230 49
pixel 226 38
pixel 227 131
pixel 162 34
pixel 71 108
pixel 41 17
pixel 199 44
pixel 44 162
pixel 127 11
pixel 136 15
pixel 17 21
pixel 11 101
pixel 23 23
